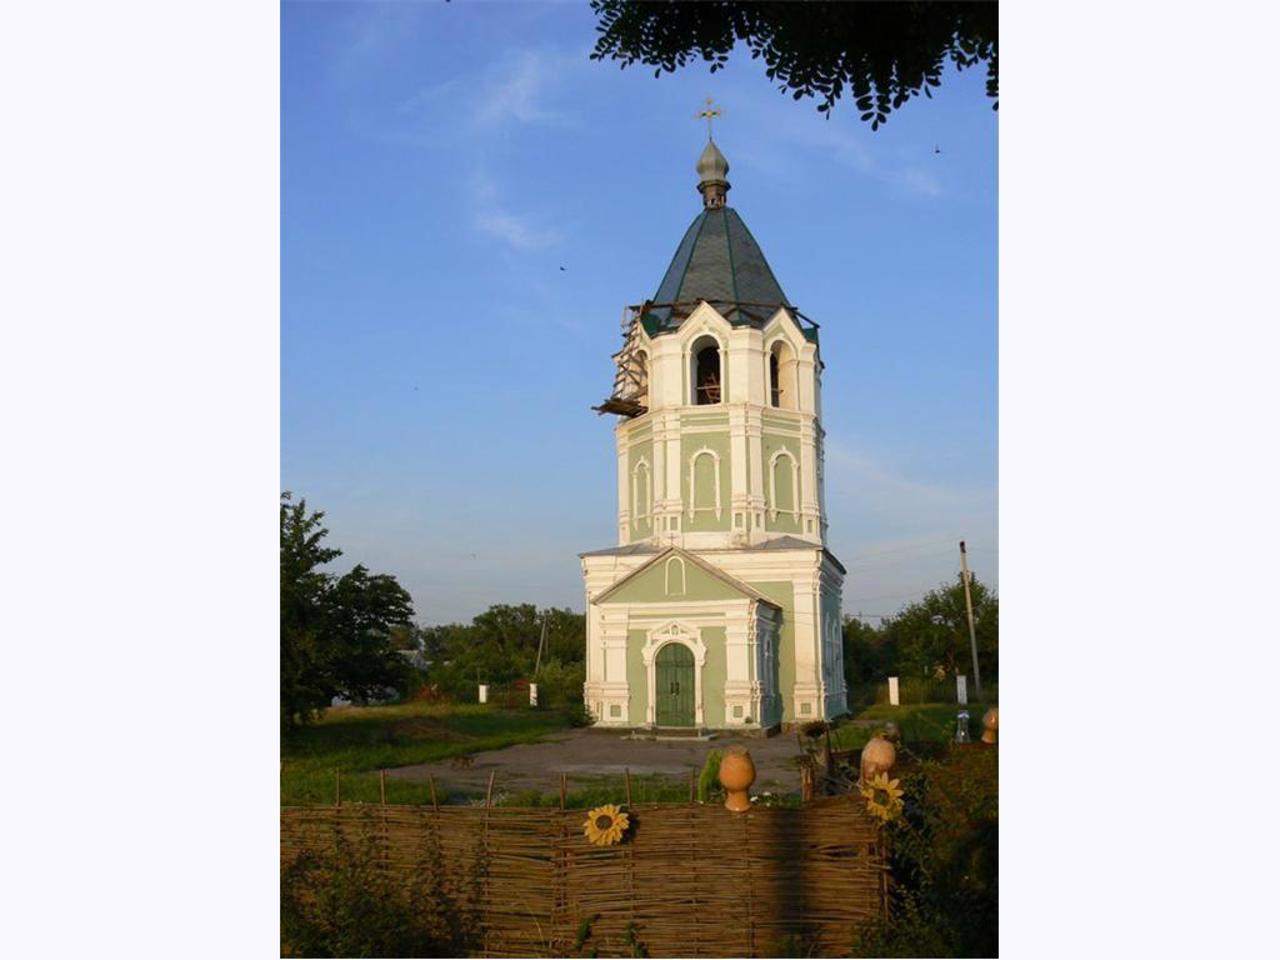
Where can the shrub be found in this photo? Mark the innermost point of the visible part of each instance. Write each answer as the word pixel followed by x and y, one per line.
pixel 560 683
pixel 709 780
pixel 944 853
pixel 578 715
pixel 345 903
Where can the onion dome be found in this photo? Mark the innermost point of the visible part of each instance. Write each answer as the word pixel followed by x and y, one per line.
pixel 713 168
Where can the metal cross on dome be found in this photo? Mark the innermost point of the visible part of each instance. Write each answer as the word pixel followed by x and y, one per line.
pixel 708 114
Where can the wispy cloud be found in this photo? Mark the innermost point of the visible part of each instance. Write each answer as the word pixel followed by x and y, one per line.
pixel 916 180
pixel 493 220
pixel 519 90
pixel 476 115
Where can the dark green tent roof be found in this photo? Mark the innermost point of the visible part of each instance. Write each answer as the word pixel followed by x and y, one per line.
pixel 720 262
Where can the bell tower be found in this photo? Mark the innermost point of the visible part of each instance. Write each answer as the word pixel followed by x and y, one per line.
pixel 718 385
pixel 719 444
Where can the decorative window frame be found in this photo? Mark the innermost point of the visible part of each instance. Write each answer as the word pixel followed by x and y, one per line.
pixel 674 631
pixel 648 490
pixel 693 489
pixel 794 511
pixel 684 582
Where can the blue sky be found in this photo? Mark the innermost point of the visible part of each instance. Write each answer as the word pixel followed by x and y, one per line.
pixel 442 162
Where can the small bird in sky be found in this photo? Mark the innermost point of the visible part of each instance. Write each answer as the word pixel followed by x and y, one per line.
pixel 562 269
pixel 937 149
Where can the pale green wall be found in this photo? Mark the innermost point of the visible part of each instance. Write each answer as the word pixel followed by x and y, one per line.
pixel 638 680
pixel 651 586
pixel 640 530
pixel 706 519
pixel 769 444
pixel 714 674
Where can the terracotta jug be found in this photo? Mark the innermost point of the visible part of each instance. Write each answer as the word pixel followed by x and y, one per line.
pixel 878 756
pixel 737 773
pixel 990 720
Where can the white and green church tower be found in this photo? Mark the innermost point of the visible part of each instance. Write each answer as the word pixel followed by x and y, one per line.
pixel 720 606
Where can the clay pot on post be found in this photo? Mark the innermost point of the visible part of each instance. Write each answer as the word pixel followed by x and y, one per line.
pixel 737 773
pixel 990 720
pixel 878 756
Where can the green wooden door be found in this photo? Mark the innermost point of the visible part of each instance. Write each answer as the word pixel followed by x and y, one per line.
pixel 674 672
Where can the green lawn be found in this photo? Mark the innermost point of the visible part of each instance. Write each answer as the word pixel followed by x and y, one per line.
pixel 362 740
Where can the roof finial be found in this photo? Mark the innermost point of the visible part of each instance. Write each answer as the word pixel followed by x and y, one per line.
pixel 708 114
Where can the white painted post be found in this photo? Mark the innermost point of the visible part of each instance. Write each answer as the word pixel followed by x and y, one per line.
pixel 893 691
pixel 533 694
pixel 484 693
pixel 962 689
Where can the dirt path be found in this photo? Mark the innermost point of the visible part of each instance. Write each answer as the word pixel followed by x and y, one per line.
pixel 585 755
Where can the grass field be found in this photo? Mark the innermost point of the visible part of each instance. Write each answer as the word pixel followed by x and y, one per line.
pixel 362 740
pixel 918 722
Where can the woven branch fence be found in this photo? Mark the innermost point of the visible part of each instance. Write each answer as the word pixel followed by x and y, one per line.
pixel 688 881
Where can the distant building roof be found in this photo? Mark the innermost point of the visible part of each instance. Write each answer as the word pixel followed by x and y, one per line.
pixel 629 550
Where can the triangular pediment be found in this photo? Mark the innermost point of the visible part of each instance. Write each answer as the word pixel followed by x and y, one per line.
pixel 688 579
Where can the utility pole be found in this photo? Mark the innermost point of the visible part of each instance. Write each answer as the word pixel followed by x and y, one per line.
pixel 540 641
pixel 968 606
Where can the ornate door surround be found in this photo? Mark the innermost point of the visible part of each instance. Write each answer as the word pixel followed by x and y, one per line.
pixel 689 636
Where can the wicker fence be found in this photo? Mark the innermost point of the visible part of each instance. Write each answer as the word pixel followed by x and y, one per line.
pixel 689 881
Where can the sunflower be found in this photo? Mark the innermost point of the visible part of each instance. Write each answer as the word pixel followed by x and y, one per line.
pixel 883 796
pixel 606 825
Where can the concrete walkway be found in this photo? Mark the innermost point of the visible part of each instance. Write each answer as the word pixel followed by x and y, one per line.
pixel 584 755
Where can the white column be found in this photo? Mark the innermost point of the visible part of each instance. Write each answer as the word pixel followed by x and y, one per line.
pixel 808 624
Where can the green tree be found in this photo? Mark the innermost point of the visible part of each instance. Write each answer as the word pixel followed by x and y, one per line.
pixel 866 658
pixel 881 53
pixel 932 635
pixel 500 645
pixel 336 633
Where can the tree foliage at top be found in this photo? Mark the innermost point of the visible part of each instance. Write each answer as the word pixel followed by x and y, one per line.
pixel 881 53
pixel 338 635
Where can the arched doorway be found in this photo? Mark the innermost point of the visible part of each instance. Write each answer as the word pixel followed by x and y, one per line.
pixel 674 686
